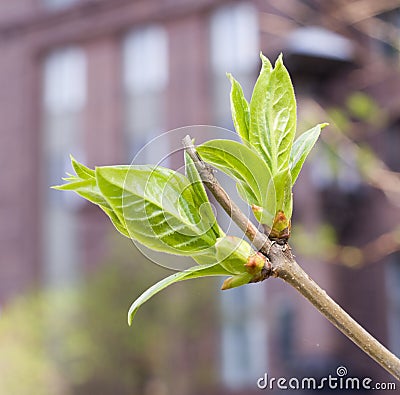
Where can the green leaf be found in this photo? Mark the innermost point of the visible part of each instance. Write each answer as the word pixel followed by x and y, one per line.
pixel 195 272
pixel 88 189
pixel 284 196
pixel 237 281
pixel 302 147
pixel 233 253
pixel 258 121
pixel 240 110
pixel 254 178
pixel 206 257
pixel 81 170
pixel 273 115
pixel 158 208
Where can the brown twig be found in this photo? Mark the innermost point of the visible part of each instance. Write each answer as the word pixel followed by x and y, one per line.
pixel 259 240
pixel 284 266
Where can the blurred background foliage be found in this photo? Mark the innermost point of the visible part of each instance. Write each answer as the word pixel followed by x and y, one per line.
pixel 76 340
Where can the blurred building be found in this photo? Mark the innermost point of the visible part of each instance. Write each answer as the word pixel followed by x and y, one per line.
pixel 100 79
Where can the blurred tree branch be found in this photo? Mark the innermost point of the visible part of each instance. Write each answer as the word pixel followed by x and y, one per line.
pixel 374 170
pixel 341 16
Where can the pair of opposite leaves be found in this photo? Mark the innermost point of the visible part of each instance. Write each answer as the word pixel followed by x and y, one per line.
pixel 167 211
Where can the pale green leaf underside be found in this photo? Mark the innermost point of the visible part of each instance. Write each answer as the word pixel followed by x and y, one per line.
pixel 238 280
pixel 252 174
pixel 240 110
pixel 232 253
pixel 88 189
pixel 214 269
pixel 273 115
pixel 284 196
pixel 157 206
pixel 302 147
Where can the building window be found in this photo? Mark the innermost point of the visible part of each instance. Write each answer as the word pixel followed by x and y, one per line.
pixel 244 336
pixel 145 78
pixel 234 47
pixel 58 4
pixel 64 98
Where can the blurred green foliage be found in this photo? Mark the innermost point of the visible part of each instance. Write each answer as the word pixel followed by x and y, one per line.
pixel 359 111
pixel 77 341
pixel 319 243
pixel 362 107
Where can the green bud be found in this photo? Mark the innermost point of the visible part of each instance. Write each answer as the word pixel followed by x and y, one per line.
pixel 255 263
pixel 233 253
pixel 237 281
pixel 280 228
pixel 238 257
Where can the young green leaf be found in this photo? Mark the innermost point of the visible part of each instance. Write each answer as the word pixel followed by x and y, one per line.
pixel 81 170
pixel 237 281
pixel 232 253
pixel 240 110
pixel 158 208
pixel 254 178
pixel 281 224
pixel 88 189
pixel 302 147
pixel 284 195
pixel 273 115
pixel 258 123
pixel 214 269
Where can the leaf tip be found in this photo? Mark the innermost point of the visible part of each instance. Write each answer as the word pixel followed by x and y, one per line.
pixel 227 284
pixel 324 125
pixel 236 281
pixel 265 61
pixel 63 187
pixel 230 78
pixel 131 314
pixel 279 62
pixel 74 162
